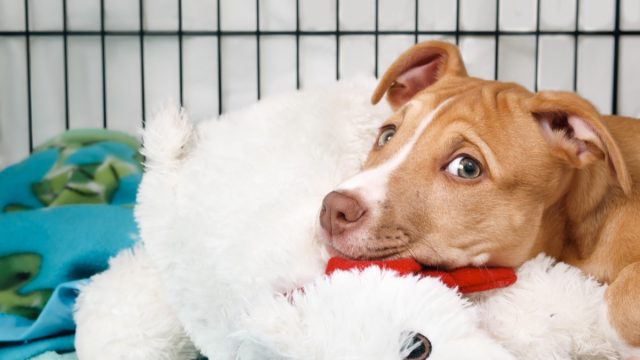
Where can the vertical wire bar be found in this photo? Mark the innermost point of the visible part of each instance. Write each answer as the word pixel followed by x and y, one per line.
pixel 104 67
pixel 535 70
pixel 66 64
pixel 258 46
pixel 141 39
pixel 297 44
pixel 28 53
pixel 219 58
pixel 497 40
pixel 377 24
pixel 575 47
pixel 337 39
pixel 457 22
pixel 616 53
pixel 180 56
pixel 415 28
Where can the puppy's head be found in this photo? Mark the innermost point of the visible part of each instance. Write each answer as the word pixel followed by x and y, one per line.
pixel 465 171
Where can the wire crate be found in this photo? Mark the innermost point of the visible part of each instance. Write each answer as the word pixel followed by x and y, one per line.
pixel 108 63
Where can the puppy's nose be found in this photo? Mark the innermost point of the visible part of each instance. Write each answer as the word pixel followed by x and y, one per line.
pixel 340 212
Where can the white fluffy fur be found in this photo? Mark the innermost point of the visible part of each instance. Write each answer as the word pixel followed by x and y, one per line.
pixel 122 315
pixel 551 312
pixel 227 213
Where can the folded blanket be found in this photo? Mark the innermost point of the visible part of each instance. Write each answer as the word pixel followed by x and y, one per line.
pixel 63 212
pixel 51 355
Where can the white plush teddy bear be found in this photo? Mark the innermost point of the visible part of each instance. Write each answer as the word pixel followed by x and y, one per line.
pixel 227 214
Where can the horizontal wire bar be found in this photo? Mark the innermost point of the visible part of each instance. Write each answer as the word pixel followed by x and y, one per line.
pixel 312 33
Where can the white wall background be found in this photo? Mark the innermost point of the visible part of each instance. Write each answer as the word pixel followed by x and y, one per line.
pixel 278 54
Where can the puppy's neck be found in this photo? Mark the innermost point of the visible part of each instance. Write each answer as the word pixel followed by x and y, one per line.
pixel 552 232
pixel 585 205
pixel 590 189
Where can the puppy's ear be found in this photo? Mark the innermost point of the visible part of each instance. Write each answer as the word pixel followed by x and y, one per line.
pixel 576 133
pixel 418 68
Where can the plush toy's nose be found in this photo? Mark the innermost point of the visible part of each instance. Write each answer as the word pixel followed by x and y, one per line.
pixel 340 212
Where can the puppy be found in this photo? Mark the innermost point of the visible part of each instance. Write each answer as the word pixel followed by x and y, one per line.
pixel 486 173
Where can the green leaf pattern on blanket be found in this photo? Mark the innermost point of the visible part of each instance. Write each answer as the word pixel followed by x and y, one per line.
pixel 92 183
pixel 17 270
pixel 82 184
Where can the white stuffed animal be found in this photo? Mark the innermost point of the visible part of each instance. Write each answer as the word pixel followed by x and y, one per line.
pixel 227 214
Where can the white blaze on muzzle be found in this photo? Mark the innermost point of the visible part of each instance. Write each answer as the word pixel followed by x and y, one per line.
pixel 370 186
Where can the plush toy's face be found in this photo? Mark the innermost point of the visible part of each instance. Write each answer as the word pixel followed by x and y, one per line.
pixel 370 315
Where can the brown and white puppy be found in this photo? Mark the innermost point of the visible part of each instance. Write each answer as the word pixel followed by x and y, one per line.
pixel 476 172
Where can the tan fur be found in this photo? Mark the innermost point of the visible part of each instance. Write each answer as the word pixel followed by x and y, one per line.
pixel 622 298
pixel 577 200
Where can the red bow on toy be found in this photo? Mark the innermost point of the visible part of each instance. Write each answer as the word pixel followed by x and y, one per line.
pixel 466 279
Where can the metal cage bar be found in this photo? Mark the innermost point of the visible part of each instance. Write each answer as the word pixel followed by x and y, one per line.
pixel 141 35
pixel 537 56
pixel 575 47
pixel 65 56
pixel 258 76
pixel 180 53
pixel 616 58
pixel 337 39
pixel 27 36
pixel 104 66
pixel 496 54
pixel 377 40
pixel 219 45
pixel 297 34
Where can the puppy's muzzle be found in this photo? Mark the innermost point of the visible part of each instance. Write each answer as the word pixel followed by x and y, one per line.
pixel 341 212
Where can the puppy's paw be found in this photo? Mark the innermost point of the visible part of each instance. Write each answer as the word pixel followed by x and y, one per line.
pixel 625 351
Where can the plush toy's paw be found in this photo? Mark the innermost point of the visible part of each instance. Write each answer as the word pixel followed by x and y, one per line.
pixel 121 315
pixel 373 314
pixel 549 313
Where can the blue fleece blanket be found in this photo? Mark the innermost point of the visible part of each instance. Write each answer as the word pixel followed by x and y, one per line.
pixel 63 212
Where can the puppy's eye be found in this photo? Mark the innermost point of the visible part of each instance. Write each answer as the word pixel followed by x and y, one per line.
pixel 385 136
pixel 419 347
pixel 465 167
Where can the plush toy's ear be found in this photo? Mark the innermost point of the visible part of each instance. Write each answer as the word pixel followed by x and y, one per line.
pixel 576 133
pixel 418 68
